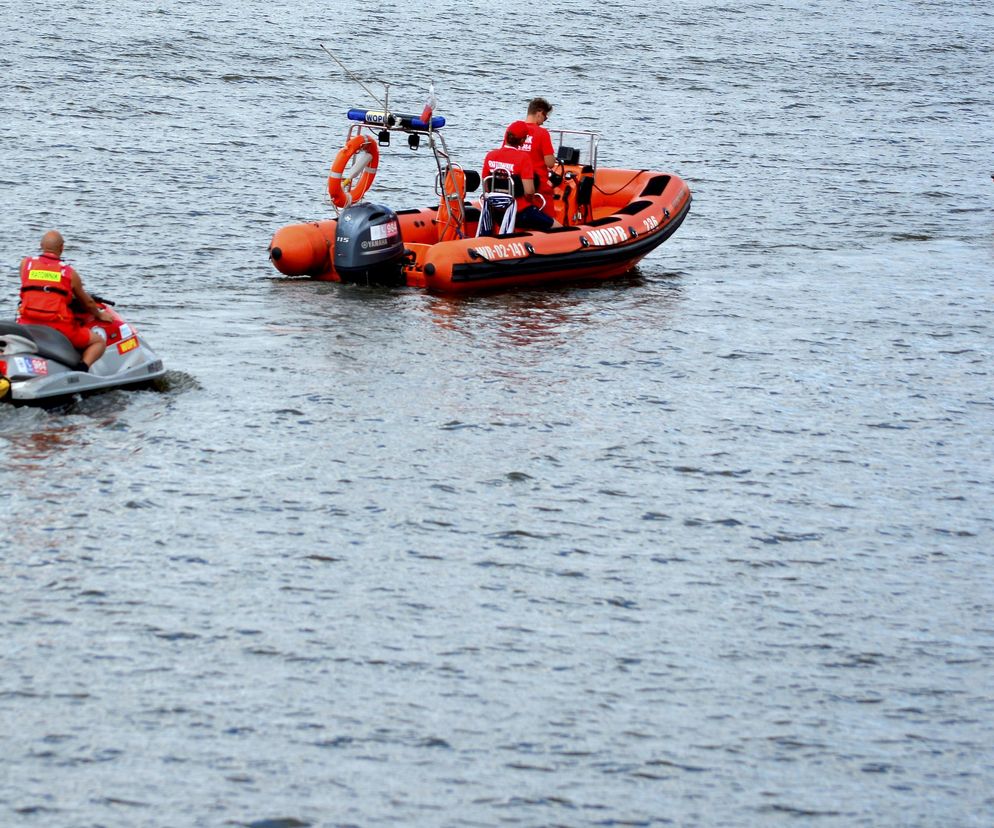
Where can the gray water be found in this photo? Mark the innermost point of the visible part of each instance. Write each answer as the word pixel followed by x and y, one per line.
pixel 706 546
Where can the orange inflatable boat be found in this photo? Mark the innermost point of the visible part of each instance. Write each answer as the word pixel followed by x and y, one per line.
pixel 611 219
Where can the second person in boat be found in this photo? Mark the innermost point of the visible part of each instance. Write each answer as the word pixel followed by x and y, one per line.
pixel 512 161
pixel 538 145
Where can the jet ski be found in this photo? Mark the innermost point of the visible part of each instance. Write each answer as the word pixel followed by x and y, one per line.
pixel 38 364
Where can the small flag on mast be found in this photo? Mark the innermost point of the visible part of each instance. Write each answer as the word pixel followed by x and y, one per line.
pixel 430 104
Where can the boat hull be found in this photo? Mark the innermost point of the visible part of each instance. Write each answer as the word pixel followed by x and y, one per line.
pixel 627 214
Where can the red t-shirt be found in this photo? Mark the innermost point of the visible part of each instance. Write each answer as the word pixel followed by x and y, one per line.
pixel 515 161
pixel 538 144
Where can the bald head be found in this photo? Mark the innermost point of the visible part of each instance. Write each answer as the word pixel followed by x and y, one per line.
pixel 52 242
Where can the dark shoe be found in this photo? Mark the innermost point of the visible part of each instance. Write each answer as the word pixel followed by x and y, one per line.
pixel 82 366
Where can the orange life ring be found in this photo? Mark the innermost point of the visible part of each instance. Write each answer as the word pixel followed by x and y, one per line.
pixel 345 191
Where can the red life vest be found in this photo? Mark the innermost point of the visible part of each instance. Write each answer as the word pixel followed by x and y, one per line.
pixel 46 290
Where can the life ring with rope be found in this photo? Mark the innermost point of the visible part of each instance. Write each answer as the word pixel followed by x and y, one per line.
pixel 348 190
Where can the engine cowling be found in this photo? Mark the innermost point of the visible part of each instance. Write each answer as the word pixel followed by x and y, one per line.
pixel 369 248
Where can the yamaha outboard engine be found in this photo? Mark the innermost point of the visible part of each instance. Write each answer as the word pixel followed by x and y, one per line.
pixel 368 246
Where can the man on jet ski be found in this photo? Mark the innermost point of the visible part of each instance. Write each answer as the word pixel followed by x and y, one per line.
pixel 48 287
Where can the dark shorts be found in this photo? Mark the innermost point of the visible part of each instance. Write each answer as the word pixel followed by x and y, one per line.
pixel 531 218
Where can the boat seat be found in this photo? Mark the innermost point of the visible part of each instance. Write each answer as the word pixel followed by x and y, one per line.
pixel 48 341
pixel 498 206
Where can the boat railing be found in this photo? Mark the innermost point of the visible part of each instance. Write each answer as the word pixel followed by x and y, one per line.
pixel 447 188
pixel 575 146
pixel 381 124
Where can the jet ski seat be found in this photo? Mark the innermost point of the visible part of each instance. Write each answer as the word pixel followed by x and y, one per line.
pixel 48 342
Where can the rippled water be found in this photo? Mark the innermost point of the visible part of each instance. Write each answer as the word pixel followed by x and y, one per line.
pixel 706 546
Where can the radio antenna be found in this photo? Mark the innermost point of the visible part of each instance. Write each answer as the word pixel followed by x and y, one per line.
pixel 358 80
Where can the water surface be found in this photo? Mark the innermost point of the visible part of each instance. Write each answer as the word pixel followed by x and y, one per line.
pixel 705 546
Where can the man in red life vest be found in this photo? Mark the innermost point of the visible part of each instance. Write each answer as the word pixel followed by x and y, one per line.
pixel 513 160
pixel 538 145
pixel 48 285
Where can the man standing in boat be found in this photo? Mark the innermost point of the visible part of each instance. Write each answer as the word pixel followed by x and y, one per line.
pixel 538 145
pixel 516 163
pixel 48 286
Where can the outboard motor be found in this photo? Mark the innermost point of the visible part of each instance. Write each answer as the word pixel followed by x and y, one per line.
pixel 368 246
